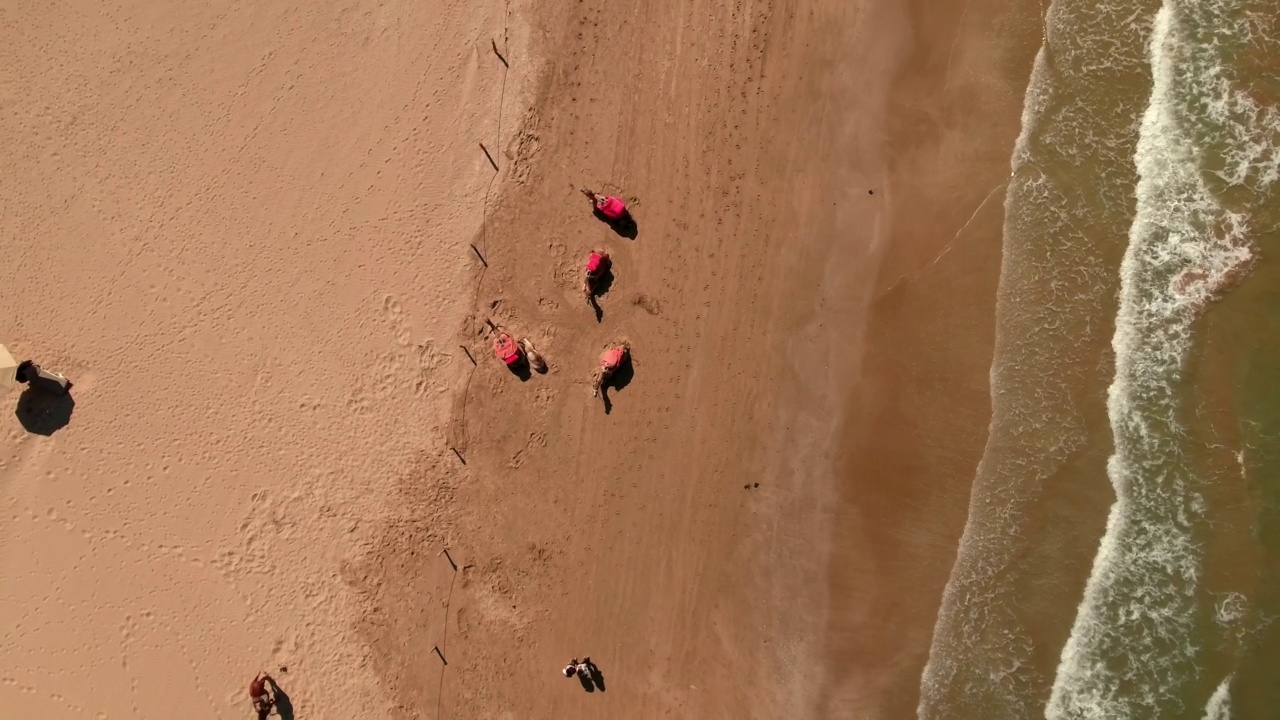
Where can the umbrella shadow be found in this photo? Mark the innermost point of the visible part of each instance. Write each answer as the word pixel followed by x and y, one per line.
pixel 44 413
pixel 599 290
pixel 522 370
pixel 620 379
pixel 624 226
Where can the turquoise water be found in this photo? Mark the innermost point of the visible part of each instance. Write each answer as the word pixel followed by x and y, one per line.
pixel 1123 519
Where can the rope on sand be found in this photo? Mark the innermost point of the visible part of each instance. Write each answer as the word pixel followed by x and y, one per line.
pixel 483 252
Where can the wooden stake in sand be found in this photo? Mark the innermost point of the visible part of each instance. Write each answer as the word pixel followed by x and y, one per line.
pixel 460 458
pixel 492 162
pixel 503 60
pixel 449 557
pixel 476 250
pixel 436 649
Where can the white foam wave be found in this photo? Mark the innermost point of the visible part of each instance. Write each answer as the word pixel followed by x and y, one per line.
pixel 1070 182
pixel 1133 651
pixel 1231 611
pixel 1055 278
pixel 1219 705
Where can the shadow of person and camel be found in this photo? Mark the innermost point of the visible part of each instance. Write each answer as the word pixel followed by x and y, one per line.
pixel 599 289
pixel 284 706
pixel 522 370
pixel 593 679
pixel 619 380
pixel 42 411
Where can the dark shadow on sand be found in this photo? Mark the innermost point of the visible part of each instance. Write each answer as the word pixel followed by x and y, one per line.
pixel 597 677
pixel 599 290
pixel 621 378
pixel 44 412
pixel 523 370
pixel 623 375
pixel 284 706
pixel 624 226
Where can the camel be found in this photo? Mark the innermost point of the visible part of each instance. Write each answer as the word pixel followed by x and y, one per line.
pixel 535 359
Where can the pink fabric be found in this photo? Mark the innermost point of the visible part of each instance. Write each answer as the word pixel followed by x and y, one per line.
pixel 610 359
pixel 612 207
pixel 596 263
pixel 506 349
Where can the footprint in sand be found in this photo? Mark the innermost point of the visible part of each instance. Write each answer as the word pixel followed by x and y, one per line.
pixel 536 440
pixel 428 378
pixel 648 304
pixel 394 312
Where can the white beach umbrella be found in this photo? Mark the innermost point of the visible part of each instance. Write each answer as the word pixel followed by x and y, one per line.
pixel 8 370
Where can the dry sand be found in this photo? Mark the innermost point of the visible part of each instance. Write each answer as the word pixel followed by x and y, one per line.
pixel 243 231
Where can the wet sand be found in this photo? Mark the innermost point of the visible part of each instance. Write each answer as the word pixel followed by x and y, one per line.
pixel 919 410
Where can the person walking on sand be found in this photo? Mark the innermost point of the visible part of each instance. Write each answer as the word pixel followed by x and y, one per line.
pixel 263 703
pixel 572 668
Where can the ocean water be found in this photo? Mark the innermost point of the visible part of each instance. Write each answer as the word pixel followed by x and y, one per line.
pixel 1122 542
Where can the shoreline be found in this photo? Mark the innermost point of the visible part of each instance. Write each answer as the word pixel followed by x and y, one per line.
pixel 909 451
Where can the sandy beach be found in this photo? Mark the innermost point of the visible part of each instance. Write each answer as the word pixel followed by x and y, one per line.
pixel 264 243
pixel 242 232
pixel 680 539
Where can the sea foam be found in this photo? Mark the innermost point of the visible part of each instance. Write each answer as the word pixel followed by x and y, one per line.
pixel 1067 210
pixel 1219 705
pixel 1133 650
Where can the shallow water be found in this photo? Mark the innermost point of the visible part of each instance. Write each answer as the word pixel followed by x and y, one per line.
pixel 1120 528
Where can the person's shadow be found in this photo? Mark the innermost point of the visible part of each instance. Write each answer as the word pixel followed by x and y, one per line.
pixel 42 412
pixel 620 379
pixel 284 707
pixel 597 677
pixel 522 369
pixel 600 289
